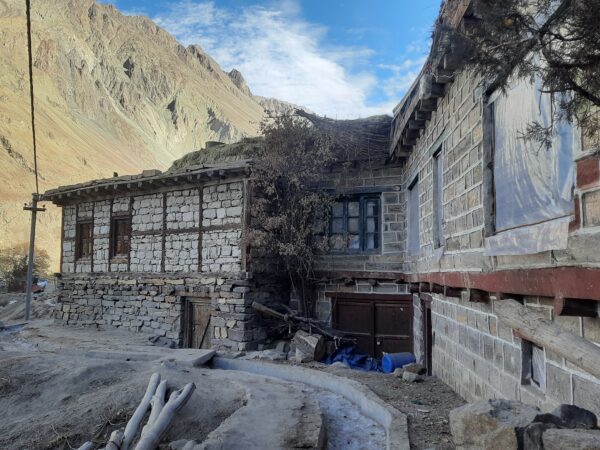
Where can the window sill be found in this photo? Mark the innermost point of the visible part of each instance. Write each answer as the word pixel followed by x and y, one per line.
pixel 84 259
pixel 118 259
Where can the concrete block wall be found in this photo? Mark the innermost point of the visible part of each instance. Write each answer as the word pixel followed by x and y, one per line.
pixel 480 358
pixel 456 128
pixel 378 178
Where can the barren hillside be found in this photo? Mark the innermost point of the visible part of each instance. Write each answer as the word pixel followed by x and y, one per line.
pixel 113 94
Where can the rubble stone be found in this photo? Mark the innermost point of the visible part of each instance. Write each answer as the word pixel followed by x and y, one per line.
pixel 491 424
pixel 561 439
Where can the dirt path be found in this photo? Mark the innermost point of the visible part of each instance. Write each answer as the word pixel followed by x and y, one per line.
pixel 426 404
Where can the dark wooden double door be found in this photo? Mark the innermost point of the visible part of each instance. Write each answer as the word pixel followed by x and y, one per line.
pixel 378 323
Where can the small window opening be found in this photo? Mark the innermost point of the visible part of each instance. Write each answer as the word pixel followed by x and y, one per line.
pixel 84 242
pixel 533 365
pixel 414 245
pixel 438 206
pixel 120 236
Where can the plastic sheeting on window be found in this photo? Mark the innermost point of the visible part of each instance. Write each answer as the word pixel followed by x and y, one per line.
pixel 532 184
pixel 549 235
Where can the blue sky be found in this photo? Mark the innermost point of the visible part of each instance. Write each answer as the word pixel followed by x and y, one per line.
pixel 340 58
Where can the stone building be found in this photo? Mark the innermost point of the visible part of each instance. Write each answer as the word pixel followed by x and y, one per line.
pixel 489 216
pixel 438 219
pixel 163 253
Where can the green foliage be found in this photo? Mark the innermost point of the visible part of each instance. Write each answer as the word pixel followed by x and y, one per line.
pixel 13 265
pixel 288 206
pixel 555 41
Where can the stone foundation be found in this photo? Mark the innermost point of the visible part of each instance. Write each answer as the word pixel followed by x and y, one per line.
pixel 480 358
pixel 155 304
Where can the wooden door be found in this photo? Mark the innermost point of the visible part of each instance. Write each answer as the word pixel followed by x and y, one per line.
pixel 379 323
pixel 197 329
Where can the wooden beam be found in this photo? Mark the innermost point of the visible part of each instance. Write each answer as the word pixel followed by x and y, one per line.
pixel 422 115
pixel 452 292
pixel 424 287
pixel 416 124
pixel 574 307
pixel 535 327
pixel 428 105
pixel 437 288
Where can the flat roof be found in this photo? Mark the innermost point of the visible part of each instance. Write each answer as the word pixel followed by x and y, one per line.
pixel 147 180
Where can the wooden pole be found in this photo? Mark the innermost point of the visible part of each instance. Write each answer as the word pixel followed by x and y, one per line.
pixel 534 327
pixel 34 210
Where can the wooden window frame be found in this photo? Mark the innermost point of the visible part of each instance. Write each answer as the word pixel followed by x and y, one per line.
pixel 362 200
pixel 114 237
pixel 533 356
pixel 79 247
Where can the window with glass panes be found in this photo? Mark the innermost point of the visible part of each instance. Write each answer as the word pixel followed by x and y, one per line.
pixel 84 240
pixel 355 224
pixel 120 236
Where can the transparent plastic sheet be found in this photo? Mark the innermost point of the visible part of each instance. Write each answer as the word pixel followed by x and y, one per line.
pixel 532 183
pixel 549 235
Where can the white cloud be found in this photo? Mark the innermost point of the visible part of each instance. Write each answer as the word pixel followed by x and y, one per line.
pixel 283 56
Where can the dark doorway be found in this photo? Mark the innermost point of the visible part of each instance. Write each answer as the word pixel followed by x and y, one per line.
pixel 427 334
pixel 379 323
pixel 196 322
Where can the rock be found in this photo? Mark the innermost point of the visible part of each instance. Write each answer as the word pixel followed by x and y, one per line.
pixel 162 341
pixel 576 417
pixel 301 357
pixel 579 439
pixel 411 377
pixel 532 436
pixel 491 424
pixel 417 368
pixel 398 372
pixel 282 346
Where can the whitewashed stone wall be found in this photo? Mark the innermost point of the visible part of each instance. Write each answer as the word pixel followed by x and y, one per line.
pixel 181 252
pixel 68 250
pixel 101 235
pixel 146 253
pixel 147 214
pixel 222 204
pixel 221 251
pixel 183 209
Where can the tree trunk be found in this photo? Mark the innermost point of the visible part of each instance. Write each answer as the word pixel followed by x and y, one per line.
pixel 536 328
pixel 135 421
pixel 312 345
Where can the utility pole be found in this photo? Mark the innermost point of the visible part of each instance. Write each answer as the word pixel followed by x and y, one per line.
pixel 34 210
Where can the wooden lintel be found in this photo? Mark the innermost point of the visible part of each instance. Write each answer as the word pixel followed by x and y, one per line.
pixel 574 307
pixel 535 327
pixel 413 288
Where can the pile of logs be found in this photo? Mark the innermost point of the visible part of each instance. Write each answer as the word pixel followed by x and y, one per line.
pixel 161 415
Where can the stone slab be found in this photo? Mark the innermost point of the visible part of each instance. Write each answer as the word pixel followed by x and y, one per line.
pixel 190 356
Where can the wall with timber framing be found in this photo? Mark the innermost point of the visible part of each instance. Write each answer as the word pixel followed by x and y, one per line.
pixel 185 241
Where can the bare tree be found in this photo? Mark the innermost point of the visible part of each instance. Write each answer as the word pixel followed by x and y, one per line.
pixel 556 41
pixel 289 212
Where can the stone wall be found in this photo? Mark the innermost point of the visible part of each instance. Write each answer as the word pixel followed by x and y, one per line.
pixel 166 234
pixel 480 358
pixel 154 303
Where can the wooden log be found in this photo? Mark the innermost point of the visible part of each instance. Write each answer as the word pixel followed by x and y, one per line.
pixel 115 440
pixel 150 439
pixel 87 446
pixel 312 345
pixel 134 423
pixel 534 327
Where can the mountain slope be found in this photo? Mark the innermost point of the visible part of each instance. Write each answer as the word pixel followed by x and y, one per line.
pixel 113 94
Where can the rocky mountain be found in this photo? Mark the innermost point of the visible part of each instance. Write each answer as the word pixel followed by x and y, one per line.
pixel 114 93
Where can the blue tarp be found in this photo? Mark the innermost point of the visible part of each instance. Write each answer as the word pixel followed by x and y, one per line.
pixel 354 358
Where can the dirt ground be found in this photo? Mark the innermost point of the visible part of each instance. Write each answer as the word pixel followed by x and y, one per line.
pixel 427 404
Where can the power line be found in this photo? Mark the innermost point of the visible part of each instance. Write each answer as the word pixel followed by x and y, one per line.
pixel 35 168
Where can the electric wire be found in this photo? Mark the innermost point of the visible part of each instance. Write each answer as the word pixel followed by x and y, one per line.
pixel 29 52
